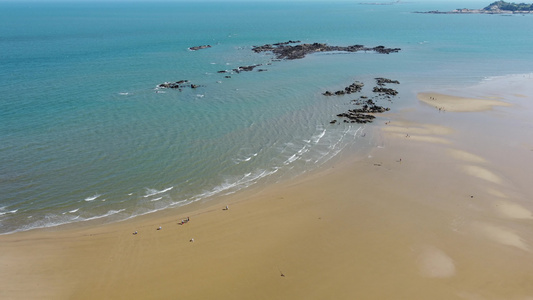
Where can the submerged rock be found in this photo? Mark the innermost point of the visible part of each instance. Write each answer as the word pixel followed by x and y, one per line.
pixel 382 81
pixel 352 88
pixel 199 47
pixel 386 91
pixel 177 85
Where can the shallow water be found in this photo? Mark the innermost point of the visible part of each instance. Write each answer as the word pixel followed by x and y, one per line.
pixel 85 134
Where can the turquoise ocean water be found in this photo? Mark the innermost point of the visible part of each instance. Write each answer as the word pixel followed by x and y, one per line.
pixel 84 134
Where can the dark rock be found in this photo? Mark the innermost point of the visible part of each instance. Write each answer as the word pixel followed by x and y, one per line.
pixel 385 91
pixel 245 68
pixel 352 88
pixel 172 85
pixel 382 81
pixel 286 51
pixel 199 47
pixel 354 117
pixel 177 85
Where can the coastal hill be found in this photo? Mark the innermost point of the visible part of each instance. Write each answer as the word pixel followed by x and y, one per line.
pixel 498 7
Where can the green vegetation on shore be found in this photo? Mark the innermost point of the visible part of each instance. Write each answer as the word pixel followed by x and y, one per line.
pixel 502 5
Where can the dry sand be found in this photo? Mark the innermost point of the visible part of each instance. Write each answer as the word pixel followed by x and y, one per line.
pixel 425 216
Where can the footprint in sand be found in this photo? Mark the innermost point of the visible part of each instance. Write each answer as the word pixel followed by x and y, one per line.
pixel 434 263
pixel 500 235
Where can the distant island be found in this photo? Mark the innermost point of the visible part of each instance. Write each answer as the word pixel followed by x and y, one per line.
pixel 381 3
pixel 498 7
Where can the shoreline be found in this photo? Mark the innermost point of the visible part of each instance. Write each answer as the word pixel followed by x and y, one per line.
pixel 434 211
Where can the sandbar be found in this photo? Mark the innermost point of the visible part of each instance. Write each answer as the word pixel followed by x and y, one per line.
pixel 459 104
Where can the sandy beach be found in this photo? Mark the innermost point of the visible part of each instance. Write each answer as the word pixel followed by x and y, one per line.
pixel 441 208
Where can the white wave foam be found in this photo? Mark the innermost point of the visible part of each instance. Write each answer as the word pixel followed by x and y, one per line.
pixel 109 213
pixel 249 158
pixel 247 180
pixel 7 212
pixel 153 192
pixel 291 159
pixel 156 199
pixel 52 220
pixel 318 137
pixel 238 160
pixel 92 198
pixel 73 211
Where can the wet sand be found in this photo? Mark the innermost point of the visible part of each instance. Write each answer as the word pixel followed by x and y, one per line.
pixel 459 104
pixel 434 212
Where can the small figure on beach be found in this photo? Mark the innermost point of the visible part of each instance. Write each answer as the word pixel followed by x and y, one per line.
pixel 159 228
pixel 135 233
pixel 191 240
pixel 226 208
